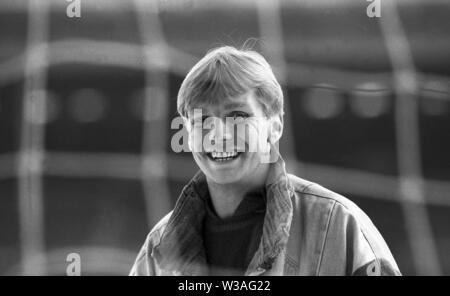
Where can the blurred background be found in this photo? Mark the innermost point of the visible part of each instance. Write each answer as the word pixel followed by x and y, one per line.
pixel 86 104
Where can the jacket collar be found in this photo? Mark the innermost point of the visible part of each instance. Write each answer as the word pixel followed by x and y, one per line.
pixel 180 249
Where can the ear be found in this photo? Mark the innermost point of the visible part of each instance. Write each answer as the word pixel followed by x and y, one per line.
pixel 275 129
pixel 188 126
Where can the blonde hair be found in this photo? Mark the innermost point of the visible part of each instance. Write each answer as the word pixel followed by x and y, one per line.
pixel 227 72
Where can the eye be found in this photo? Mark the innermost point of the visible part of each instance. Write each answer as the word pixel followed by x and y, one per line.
pixel 239 115
pixel 199 120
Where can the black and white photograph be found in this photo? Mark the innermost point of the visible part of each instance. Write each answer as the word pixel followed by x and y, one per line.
pixel 224 139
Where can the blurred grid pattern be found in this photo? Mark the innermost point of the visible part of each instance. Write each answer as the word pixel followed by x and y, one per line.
pixel 86 105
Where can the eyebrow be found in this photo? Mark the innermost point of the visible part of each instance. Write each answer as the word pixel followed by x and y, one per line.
pixel 234 105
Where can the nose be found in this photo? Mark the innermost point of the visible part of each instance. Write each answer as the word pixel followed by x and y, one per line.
pixel 220 132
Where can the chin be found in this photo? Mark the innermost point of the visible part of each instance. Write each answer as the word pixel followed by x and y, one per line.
pixel 223 178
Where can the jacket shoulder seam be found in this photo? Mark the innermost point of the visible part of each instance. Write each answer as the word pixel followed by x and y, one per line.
pixel 331 198
pixel 318 195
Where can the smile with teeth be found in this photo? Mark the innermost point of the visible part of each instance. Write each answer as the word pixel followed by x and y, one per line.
pixel 223 156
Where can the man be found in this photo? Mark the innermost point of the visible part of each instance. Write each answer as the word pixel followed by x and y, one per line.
pixel 242 214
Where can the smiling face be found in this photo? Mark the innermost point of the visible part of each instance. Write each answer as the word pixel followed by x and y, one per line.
pixel 227 152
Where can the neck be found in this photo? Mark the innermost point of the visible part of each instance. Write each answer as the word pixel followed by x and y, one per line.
pixel 227 197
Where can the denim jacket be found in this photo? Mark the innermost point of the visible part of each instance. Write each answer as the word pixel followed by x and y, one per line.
pixel 307 230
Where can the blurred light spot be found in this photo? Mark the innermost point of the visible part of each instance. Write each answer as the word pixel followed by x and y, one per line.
pixel 368 102
pixel 87 105
pixel 323 103
pixel 435 99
